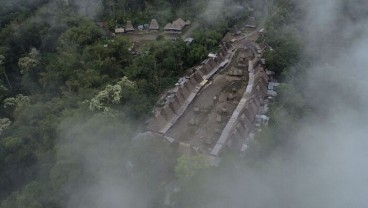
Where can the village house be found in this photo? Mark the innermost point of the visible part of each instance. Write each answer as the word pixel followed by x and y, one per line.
pixel 188 40
pixel 129 27
pixel 167 27
pixel 180 23
pixel 154 26
pixel 177 26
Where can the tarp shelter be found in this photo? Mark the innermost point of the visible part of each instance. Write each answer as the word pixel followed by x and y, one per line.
pixel 119 30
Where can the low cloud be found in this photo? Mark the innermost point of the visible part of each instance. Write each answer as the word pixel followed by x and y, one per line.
pixel 324 165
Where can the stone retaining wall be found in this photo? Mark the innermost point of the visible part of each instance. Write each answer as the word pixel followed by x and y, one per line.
pixel 242 119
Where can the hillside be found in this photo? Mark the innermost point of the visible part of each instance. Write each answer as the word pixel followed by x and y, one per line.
pixel 78 86
pixel 68 84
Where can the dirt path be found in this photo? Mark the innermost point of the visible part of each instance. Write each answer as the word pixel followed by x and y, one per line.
pixel 151 36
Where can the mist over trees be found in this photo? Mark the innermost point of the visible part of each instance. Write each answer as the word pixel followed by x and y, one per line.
pixel 72 99
pixel 311 154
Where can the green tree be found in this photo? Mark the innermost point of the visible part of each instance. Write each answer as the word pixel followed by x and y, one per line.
pixel 283 51
pixel 112 95
pixel 35 194
pixel 27 63
pixel 188 166
pixel 85 33
pixel 152 159
pixel 3 71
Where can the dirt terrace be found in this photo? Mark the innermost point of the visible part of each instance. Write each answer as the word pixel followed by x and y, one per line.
pixel 204 120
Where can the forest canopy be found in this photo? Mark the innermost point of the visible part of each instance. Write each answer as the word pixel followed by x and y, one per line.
pixel 68 87
pixel 73 96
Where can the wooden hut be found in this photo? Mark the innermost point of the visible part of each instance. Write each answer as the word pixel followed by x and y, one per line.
pixel 154 26
pixel 180 22
pixel 129 27
pixel 176 26
pixel 167 27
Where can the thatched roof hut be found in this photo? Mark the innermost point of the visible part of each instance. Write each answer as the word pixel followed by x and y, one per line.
pixel 167 26
pixel 154 25
pixel 180 22
pixel 129 27
pixel 176 26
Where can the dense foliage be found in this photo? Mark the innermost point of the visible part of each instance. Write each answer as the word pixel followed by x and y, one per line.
pixel 70 91
pixel 72 96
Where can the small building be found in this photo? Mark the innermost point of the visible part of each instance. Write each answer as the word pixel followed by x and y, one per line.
pixel 167 27
pixel 188 40
pixel 153 26
pixel 262 120
pixel 176 26
pixel 129 27
pixel 212 55
pixel 271 93
pixel 182 81
pixel 119 30
pixel 244 147
pixel 180 22
pixel 140 27
pixel 263 61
